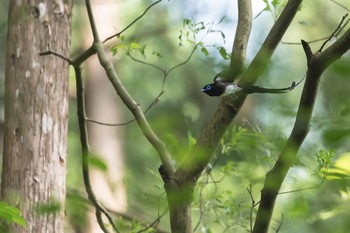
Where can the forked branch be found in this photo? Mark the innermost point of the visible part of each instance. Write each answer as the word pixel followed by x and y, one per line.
pixel 317 63
pixel 127 99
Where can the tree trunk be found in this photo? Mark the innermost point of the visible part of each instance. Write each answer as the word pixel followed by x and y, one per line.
pixel 179 197
pixel 36 112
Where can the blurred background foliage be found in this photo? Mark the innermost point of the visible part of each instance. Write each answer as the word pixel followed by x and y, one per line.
pixel 317 189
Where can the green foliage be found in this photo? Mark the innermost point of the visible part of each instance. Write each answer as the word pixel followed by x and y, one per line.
pixel 76 208
pixel 192 30
pixel 129 47
pixel 336 135
pixel 10 215
pixel 49 208
pixel 274 6
pixel 97 162
pixel 341 169
pixel 324 160
pixel 222 202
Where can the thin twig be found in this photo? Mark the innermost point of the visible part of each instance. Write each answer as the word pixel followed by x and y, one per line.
pixel 251 208
pixel 303 189
pixel 109 124
pixel 200 204
pixel 335 31
pixel 49 52
pixel 320 39
pixel 341 5
pixel 84 137
pixel 146 63
pixel 185 61
pixel 132 105
pixel 280 224
pixel 133 22
pixel 125 216
pixel 86 153
pixel 155 222
pixel 309 42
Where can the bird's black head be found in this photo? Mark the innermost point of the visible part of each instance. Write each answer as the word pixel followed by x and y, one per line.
pixel 213 89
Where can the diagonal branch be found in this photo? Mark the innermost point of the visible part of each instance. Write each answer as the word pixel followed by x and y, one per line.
pixel 91 51
pixel 240 43
pixel 133 22
pixel 229 108
pixel 317 64
pixel 134 107
pixel 86 153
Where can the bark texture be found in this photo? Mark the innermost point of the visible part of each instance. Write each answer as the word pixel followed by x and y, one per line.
pixel 36 111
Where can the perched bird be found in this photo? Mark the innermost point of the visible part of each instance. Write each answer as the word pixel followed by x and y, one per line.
pixel 221 87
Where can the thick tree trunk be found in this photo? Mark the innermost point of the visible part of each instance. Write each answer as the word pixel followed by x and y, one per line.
pixel 179 200
pixel 36 111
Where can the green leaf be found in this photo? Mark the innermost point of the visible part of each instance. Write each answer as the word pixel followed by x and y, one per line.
pixel 223 53
pixel 191 140
pixel 11 214
pixel 134 45
pixel 53 207
pixel 186 22
pixel 204 51
pixel 115 49
pixel 275 3
pixel 324 158
pixel 97 162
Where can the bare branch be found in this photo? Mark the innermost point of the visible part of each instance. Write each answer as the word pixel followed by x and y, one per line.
pixel 146 63
pixel 262 58
pixel 49 52
pixel 239 48
pixel 133 22
pixel 317 63
pixel 86 153
pixel 280 224
pixel 335 31
pixel 341 5
pixel 303 189
pixel 125 216
pixel 128 100
pixel 91 51
pixel 251 208
pixel 154 102
pixel 228 107
pixel 307 50
pixel 334 34
pixel 156 99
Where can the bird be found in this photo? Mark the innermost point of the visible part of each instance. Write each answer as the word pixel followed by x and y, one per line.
pixel 222 87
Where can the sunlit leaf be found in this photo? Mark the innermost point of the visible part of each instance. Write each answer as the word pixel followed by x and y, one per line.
pixel 118 47
pixel 204 51
pixel 186 22
pixel 275 3
pixel 48 208
pixel 97 162
pixel 191 140
pixel 223 53
pixel 11 214
pixel 135 45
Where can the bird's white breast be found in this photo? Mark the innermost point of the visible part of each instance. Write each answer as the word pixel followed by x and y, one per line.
pixel 232 88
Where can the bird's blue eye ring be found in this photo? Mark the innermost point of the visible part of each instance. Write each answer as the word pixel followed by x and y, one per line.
pixel 208 87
